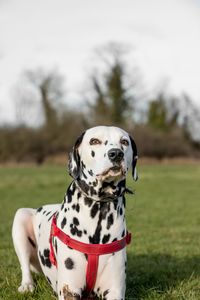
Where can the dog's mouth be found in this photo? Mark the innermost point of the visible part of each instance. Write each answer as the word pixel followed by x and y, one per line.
pixel 115 171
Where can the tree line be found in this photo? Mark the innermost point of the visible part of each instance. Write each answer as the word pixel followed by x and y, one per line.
pixel 163 126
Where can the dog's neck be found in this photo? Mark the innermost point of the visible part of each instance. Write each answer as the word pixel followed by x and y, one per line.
pixel 99 189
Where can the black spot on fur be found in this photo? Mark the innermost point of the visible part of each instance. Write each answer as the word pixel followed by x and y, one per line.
pixel 75 221
pixel 45 258
pixel 94 210
pixel 83 185
pixel 93 153
pixel 70 192
pixel 46 252
pixel 95 183
pixel 105 293
pixel 123 233
pixel 79 195
pixel 92 191
pixel 106 238
pixel 90 172
pixel 104 208
pixel 63 223
pixel 44 212
pixel 85 231
pixel 110 221
pixel 69 197
pixel 120 211
pixel 73 231
pixel 79 233
pixel 31 242
pixel 76 207
pixel 88 201
pixel 39 226
pixel 114 240
pixel 48 213
pixel 39 209
pixel 106 142
pixel 69 263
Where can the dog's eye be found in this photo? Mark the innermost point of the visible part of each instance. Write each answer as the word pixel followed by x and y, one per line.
pixel 95 141
pixel 124 142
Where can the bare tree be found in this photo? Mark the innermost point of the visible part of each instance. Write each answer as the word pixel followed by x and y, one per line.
pixel 113 85
pixel 51 91
pixel 39 93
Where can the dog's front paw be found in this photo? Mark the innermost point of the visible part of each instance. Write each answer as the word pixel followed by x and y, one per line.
pixel 26 287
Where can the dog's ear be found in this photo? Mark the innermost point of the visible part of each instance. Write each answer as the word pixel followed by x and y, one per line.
pixel 134 159
pixel 74 159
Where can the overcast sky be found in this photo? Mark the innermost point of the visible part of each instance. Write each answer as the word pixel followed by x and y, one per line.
pixel 165 36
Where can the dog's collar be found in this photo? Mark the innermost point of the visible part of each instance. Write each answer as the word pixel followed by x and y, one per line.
pixel 106 198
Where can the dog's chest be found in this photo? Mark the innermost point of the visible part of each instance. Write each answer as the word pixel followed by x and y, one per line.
pixel 90 221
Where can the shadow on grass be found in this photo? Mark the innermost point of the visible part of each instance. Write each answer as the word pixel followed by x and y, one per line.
pixel 158 272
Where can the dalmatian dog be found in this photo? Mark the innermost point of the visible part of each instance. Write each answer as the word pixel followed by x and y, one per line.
pixel 92 212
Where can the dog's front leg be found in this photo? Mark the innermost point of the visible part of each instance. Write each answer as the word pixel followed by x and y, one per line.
pixel 113 279
pixel 71 274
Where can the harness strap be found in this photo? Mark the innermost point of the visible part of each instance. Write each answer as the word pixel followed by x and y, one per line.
pixel 92 250
pixel 91 272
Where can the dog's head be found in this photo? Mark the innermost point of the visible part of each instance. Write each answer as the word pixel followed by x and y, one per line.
pixel 103 154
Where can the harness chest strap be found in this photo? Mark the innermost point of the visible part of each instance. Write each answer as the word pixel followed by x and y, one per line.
pixel 92 250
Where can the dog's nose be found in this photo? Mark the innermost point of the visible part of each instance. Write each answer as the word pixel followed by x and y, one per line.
pixel 115 155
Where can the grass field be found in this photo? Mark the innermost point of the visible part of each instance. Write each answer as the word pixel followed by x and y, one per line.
pixel 163 216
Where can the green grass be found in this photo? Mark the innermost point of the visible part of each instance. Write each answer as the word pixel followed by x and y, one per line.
pixel 163 216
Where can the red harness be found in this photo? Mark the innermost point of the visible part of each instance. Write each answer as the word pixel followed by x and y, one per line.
pixel 92 250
